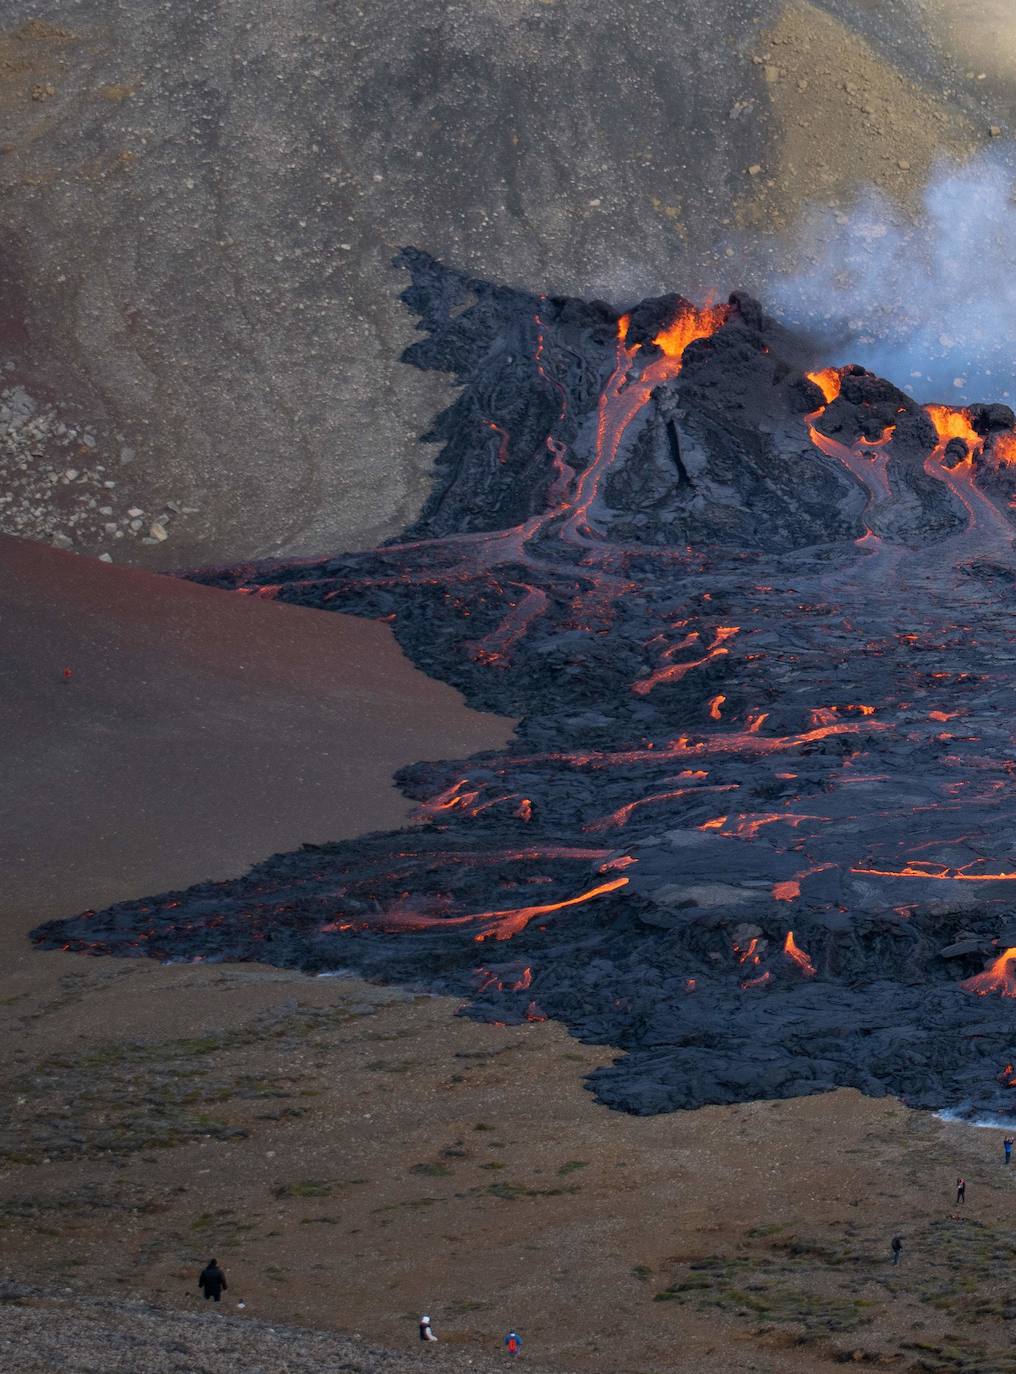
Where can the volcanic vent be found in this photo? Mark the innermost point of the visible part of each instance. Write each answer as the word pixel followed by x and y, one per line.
pixel 755 825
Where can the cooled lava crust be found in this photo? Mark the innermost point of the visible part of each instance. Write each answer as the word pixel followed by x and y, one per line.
pixel 756 825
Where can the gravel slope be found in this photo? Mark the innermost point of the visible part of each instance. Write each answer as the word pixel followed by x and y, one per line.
pixel 50 1333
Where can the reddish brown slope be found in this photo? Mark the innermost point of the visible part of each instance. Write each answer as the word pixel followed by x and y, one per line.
pixel 200 731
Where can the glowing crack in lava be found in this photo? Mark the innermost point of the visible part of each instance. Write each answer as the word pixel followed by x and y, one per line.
pixel 753 616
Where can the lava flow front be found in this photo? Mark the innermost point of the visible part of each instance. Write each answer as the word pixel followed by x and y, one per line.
pixel 753 616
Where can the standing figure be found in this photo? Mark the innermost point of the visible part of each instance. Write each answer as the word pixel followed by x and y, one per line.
pixel 897 1247
pixel 425 1332
pixel 513 1343
pixel 212 1280
pixel 961 1190
pixel 1007 1144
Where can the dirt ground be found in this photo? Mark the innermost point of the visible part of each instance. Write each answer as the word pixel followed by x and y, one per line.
pixel 355 1155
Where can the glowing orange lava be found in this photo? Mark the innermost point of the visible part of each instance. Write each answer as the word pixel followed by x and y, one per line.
pixel 759 982
pixel 998 978
pixel 828 382
pixel 953 423
pixel 793 951
pixel 693 323
pixel 673 672
pixel 1003 449
pixel 499 925
pixel 944 873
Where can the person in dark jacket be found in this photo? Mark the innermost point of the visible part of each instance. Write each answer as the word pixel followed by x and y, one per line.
pixel 426 1334
pixel 896 1247
pixel 961 1190
pixel 212 1280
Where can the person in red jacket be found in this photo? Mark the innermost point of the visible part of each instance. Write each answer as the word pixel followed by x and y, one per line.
pixel 513 1343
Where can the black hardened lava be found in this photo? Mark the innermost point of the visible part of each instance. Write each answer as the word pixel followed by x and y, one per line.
pixel 755 827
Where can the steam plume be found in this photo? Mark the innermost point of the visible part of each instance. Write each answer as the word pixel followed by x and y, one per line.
pixel 930 301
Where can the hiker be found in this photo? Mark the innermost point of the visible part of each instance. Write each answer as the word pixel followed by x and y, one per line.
pixel 897 1247
pixel 1007 1144
pixel 212 1280
pixel 425 1332
pixel 513 1343
pixel 961 1190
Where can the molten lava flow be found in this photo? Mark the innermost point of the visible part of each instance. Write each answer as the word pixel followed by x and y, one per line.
pixel 793 951
pixel 828 382
pixel 998 978
pixel 714 705
pixel 760 982
pixel 623 814
pixel 787 891
pixel 983 516
pixel 884 438
pixel 747 827
pixel 953 423
pixel 1003 449
pixel 691 324
pixel 749 954
pixel 502 925
pixel 502 437
pixel 673 672
pixel 621 400
pixel 738 742
pixel 495 648
pixel 955 875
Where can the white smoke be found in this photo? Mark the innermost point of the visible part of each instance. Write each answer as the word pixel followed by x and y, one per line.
pixel 928 302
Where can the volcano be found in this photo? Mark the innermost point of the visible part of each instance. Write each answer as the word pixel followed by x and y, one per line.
pixel 755 826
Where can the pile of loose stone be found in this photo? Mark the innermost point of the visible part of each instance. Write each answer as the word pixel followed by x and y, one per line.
pixel 59 482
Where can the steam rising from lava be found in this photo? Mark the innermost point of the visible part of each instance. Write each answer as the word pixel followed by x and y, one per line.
pixel 927 300
pixel 755 825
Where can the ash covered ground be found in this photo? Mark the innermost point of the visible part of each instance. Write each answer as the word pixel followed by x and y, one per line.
pixel 753 826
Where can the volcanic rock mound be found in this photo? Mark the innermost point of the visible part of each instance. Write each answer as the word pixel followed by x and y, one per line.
pixel 751 829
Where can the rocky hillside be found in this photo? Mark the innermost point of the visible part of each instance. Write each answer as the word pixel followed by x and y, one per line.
pixel 198 317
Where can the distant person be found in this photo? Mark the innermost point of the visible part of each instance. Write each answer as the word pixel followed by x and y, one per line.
pixel 1007 1145
pixel 897 1248
pixel 513 1343
pixel 426 1334
pixel 212 1280
pixel 961 1190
